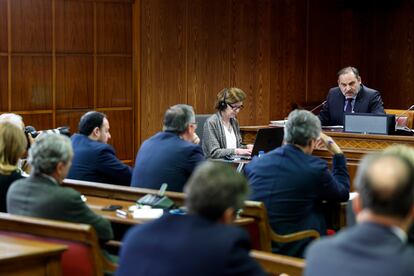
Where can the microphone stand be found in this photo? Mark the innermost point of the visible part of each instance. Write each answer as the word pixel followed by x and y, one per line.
pixel 320 105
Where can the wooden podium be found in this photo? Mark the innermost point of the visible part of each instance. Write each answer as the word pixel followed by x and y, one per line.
pixel 354 146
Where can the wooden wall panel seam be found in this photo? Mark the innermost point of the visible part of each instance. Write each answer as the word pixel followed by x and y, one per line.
pixel 95 58
pixel 54 63
pixel 9 45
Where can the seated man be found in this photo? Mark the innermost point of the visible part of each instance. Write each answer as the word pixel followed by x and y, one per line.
pixel 41 195
pixel 292 183
pixel 94 159
pixel 200 243
pixel 169 156
pixel 351 97
pixel 377 245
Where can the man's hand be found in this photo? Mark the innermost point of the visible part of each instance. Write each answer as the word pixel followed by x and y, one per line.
pixel 243 151
pixel 196 139
pixel 329 143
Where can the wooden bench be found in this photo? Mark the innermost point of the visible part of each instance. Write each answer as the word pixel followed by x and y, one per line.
pixel 39 258
pixel 105 190
pixel 83 257
pixel 275 264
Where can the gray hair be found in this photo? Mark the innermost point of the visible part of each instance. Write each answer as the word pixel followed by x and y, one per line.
pixel 178 117
pixel 47 151
pixel 302 127
pixel 213 188
pixel 13 119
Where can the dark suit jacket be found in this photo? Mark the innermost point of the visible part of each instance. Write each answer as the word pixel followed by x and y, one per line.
pixel 292 185
pixel 39 196
pixel 5 182
pixel 165 158
pixel 351 221
pixel 365 249
pixel 96 161
pixel 367 101
pixel 186 245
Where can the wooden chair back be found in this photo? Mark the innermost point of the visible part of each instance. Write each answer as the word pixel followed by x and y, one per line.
pixel 117 192
pixel 275 264
pixel 258 211
pixel 407 116
pixel 58 231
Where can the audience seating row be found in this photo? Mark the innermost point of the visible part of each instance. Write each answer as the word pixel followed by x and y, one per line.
pixel 83 257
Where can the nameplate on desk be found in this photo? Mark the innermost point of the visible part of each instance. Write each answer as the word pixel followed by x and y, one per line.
pixel 369 123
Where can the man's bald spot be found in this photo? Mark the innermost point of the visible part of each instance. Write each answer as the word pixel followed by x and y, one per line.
pixel 385 174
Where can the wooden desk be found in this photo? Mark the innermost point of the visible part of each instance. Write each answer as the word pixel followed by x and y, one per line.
pixel 19 256
pixel 97 203
pixel 99 195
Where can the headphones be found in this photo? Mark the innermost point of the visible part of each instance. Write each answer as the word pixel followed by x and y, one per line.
pixel 222 105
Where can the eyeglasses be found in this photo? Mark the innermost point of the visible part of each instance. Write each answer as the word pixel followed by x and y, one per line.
pixel 235 107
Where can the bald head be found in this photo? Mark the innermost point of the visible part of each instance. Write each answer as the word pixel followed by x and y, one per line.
pixel 385 182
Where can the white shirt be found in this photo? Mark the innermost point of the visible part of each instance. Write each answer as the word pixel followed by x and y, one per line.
pixel 231 142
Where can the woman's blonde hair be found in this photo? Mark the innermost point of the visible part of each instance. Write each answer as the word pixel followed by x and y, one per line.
pixel 13 144
pixel 229 96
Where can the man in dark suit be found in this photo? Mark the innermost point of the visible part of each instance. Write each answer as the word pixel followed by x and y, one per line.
pixel 351 97
pixel 377 245
pixel 292 183
pixel 169 156
pixel 41 195
pixel 94 159
pixel 200 243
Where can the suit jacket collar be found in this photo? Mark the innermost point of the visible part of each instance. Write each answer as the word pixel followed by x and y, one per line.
pixel 44 179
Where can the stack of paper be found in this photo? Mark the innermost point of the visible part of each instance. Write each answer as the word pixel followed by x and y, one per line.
pixel 279 123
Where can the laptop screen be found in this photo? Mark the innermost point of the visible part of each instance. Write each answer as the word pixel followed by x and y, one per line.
pixel 268 139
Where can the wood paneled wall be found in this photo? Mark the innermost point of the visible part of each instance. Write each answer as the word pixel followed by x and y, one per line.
pixel 62 58
pixel 280 52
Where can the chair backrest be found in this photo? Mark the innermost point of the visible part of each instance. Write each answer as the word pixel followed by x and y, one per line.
pixel 258 211
pixel 83 256
pixel 200 120
pixel 118 192
pixel 275 264
pixel 402 117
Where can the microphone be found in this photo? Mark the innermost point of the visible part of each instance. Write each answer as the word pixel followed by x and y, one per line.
pixel 319 106
pixel 400 115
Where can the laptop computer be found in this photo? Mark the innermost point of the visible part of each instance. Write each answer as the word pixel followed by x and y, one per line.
pixel 267 139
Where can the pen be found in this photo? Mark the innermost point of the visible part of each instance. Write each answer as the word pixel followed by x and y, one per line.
pixel 121 213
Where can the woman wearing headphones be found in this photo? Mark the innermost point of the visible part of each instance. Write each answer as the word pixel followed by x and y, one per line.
pixel 221 134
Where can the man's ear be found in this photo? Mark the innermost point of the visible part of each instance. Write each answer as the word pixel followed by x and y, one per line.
pixel 60 167
pixel 95 132
pixel 357 204
pixel 228 216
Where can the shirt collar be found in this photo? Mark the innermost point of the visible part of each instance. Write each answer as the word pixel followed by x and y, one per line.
pixel 50 178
